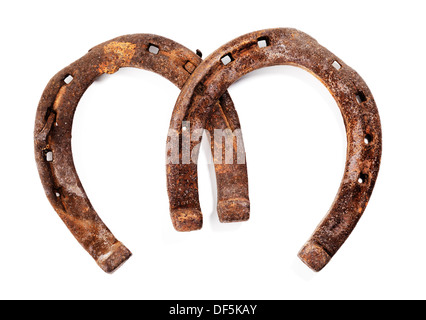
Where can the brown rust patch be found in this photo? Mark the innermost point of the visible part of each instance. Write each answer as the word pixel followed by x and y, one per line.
pixel 117 54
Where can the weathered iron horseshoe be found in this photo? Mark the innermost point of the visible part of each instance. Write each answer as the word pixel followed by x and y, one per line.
pixel 53 125
pixel 291 47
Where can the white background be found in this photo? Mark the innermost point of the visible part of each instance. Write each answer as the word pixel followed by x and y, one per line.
pixel 295 144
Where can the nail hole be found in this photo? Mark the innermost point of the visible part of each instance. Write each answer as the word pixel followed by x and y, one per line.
pixel 153 49
pixel 69 78
pixel 263 42
pixel 362 178
pixel 336 65
pixel 48 155
pixel 57 194
pixel 189 67
pixel 368 138
pixel 360 97
pixel 226 59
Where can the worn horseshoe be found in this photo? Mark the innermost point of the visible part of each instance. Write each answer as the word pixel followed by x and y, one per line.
pixel 291 47
pixel 53 124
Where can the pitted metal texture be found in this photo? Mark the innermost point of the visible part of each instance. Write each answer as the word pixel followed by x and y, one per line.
pixel 285 46
pixel 52 137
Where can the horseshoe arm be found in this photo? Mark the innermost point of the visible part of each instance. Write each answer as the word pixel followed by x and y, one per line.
pixel 53 125
pixel 233 204
pixel 292 47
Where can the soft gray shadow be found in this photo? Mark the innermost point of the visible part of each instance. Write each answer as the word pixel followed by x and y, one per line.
pixel 302 270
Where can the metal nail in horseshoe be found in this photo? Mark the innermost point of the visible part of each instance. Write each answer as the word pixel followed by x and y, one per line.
pixel 291 47
pixel 53 124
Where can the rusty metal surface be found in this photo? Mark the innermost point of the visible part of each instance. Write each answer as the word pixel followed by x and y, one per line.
pixel 52 136
pixel 292 47
pixel 233 204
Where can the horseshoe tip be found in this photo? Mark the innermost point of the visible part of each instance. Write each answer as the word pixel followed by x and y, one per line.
pixel 114 259
pixel 314 256
pixel 233 210
pixel 188 219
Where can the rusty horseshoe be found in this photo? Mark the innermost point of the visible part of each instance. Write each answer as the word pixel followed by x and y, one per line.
pixel 285 46
pixel 52 135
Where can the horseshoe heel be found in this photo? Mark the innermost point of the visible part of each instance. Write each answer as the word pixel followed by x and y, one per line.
pixel 233 204
pixel 233 197
pixel 292 47
pixel 53 125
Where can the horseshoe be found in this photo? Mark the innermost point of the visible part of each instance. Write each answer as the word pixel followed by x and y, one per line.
pixel 53 125
pixel 285 46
